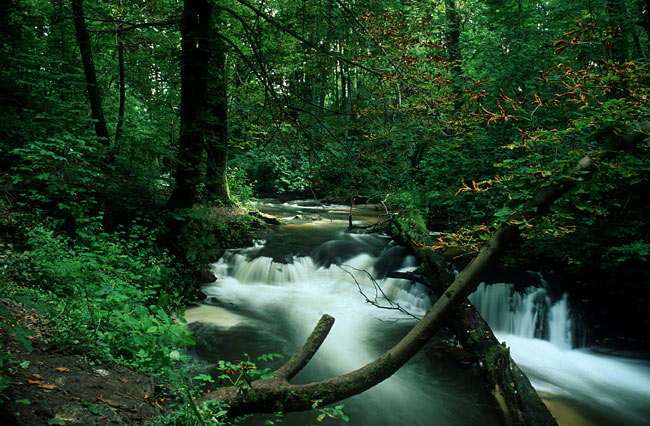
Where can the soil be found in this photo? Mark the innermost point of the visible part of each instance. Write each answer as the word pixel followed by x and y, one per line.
pixel 52 387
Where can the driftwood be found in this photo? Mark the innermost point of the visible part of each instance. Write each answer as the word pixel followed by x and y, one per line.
pixel 267 218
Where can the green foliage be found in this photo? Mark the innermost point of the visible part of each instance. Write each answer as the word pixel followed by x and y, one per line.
pixel 12 330
pixel 330 412
pixel 273 173
pixel 243 372
pixel 210 230
pixel 241 189
pixel 635 251
pixel 106 295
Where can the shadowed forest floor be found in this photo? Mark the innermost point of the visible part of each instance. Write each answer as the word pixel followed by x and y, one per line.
pixel 51 387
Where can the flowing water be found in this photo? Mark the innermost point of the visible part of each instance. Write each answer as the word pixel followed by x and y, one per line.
pixel 546 341
pixel 268 298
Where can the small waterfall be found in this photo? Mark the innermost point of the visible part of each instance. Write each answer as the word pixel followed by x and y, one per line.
pixel 268 297
pixel 263 303
pixel 530 314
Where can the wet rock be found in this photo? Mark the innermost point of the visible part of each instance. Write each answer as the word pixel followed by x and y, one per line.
pixel 267 218
pixel 206 277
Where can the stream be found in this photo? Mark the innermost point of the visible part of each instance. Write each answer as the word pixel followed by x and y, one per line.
pixel 268 298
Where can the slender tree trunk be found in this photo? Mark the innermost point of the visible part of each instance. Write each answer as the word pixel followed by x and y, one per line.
pixel 645 23
pixel 619 43
pixel 64 66
pixel 631 28
pixel 216 138
pixel 344 89
pixel 94 95
pixel 326 61
pixel 122 105
pixel 453 40
pixel 348 101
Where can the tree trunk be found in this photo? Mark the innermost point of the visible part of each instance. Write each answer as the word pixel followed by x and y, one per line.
pixel 279 395
pixel 518 399
pixel 121 110
pixel 453 40
pixel 194 64
pixel 216 138
pixel 195 26
pixel 645 23
pixel 631 28
pixel 615 19
pixel 94 95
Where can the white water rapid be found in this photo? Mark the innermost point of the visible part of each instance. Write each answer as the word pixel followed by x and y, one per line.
pixel 542 334
pixel 268 298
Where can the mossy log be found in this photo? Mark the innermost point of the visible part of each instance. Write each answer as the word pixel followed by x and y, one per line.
pixel 510 386
pixel 277 394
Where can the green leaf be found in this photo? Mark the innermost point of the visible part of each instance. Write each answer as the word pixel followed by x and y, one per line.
pixel 93 408
pixel 55 421
pixel 504 211
pixel 23 401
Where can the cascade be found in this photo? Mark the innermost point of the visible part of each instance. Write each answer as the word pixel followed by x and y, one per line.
pixel 531 313
pixel 543 335
pixel 268 297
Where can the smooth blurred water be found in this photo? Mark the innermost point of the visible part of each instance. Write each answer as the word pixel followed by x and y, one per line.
pixel 545 341
pixel 268 298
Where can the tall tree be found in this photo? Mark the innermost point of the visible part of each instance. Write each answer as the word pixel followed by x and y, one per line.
pixel 94 93
pixel 122 82
pixel 195 58
pixel 216 136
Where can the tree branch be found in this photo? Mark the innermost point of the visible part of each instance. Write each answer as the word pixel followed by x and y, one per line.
pixel 277 394
pixel 303 40
pixel 306 353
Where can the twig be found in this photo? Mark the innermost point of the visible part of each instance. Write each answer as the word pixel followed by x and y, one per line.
pixel 379 293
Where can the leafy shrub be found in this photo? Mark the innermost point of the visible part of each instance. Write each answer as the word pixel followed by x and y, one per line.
pixel 107 296
pixel 241 189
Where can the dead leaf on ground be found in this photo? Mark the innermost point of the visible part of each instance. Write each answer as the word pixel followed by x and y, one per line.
pixel 101 399
pixel 35 380
pixel 47 386
pixel 123 380
pixel 62 369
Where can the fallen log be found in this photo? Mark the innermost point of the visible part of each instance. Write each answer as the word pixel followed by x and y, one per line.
pixel 277 394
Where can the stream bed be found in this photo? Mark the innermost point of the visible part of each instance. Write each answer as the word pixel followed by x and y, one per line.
pixel 268 298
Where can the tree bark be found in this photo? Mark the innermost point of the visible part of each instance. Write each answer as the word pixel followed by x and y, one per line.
pixel 195 25
pixel 94 95
pixel 122 104
pixel 279 395
pixel 216 137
